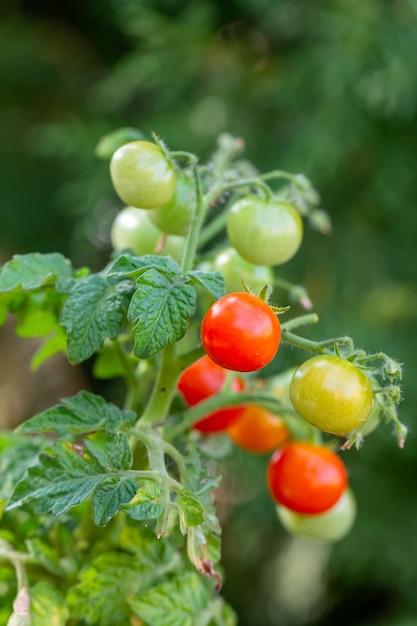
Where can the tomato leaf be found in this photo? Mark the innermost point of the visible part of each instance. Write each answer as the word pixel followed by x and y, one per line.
pixel 83 413
pixel 179 602
pixel 129 266
pixel 31 271
pixel 47 605
pixel 161 309
pixel 105 584
pixel 213 282
pixel 145 504
pixel 93 312
pixel 109 498
pixel 66 476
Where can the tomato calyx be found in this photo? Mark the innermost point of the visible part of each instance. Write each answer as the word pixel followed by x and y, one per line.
pixel 264 295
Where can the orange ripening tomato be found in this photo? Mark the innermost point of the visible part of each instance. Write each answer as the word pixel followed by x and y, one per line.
pixel 203 379
pixel 258 430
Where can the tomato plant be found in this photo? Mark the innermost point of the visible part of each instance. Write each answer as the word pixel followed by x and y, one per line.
pixel 174 216
pixel 71 469
pixel 332 394
pixel 241 332
pixel 258 430
pixel 332 525
pixel 306 478
pixel 264 232
pixel 142 175
pixel 201 380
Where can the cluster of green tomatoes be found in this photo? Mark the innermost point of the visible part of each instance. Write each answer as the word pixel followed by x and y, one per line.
pixel 241 332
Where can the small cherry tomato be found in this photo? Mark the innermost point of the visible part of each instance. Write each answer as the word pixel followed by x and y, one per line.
pixel 306 478
pixel 234 268
pixel 241 332
pixel 203 379
pixel 174 216
pixel 258 430
pixel 142 175
pixel 332 394
pixel 264 232
pixel 332 525
pixel 132 228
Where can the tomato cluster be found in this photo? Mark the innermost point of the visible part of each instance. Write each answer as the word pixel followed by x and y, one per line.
pixel 240 332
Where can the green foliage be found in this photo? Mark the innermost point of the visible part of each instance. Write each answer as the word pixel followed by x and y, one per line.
pixel 329 87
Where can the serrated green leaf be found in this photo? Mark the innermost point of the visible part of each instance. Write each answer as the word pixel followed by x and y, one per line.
pixel 83 413
pixel 193 510
pixel 59 482
pixel 47 606
pixel 213 282
pixel 145 504
pixel 93 312
pixel 129 266
pixel 109 498
pixel 111 450
pixel 175 603
pixel 31 271
pixel 44 555
pixel 161 310
pixel 64 478
pixel 105 584
pixel 16 456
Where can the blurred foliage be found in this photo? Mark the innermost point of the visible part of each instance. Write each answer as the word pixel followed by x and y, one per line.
pixel 328 88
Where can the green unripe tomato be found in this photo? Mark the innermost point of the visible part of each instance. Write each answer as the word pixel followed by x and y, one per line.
pixel 174 216
pixel 264 232
pixel 332 525
pixel 234 268
pixel 131 228
pixel 332 394
pixel 142 175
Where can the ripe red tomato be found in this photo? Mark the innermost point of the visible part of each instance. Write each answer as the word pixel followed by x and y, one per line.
pixel 332 394
pixel 241 332
pixel 258 430
pixel 203 379
pixel 306 478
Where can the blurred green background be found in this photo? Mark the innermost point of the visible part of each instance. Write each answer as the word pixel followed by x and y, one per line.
pixel 328 88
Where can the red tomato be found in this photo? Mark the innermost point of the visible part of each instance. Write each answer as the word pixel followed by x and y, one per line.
pixel 203 379
pixel 241 332
pixel 258 430
pixel 306 478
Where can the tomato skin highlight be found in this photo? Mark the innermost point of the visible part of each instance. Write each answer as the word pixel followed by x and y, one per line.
pixel 241 332
pixel 201 380
pixel 332 525
pixel 306 478
pixel 142 175
pixel 332 394
pixel 258 430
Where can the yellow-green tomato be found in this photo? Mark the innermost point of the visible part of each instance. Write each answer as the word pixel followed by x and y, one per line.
pixel 332 394
pixel 332 525
pixel 132 229
pixel 142 175
pixel 234 268
pixel 264 232
pixel 174 216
